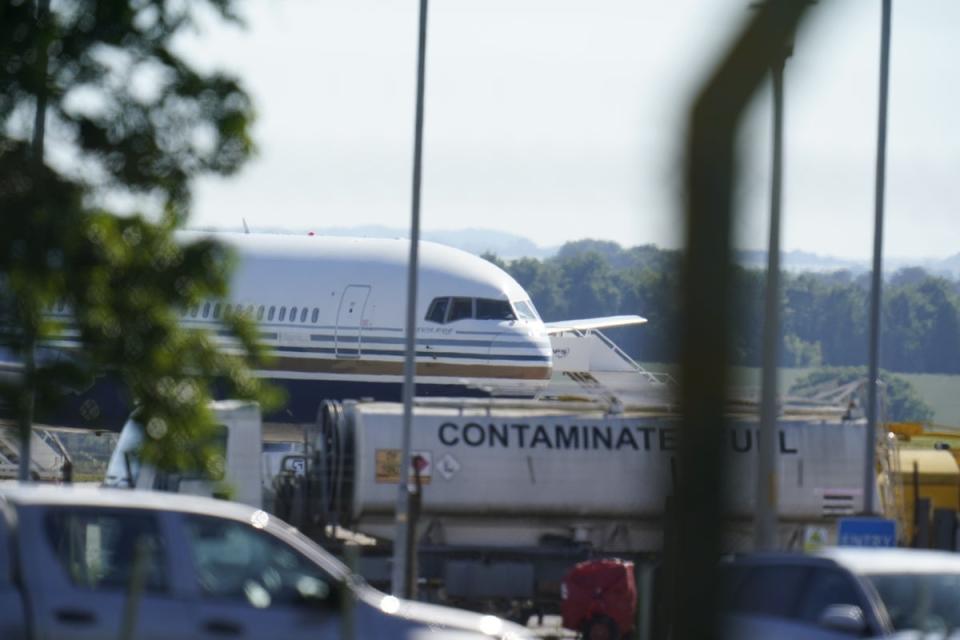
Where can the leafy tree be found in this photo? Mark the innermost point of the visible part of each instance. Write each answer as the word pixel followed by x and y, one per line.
pixel 589 284
pixel 908 276
pixel 921 327
pixel 651 293
pixel 901 402
pixel 128 117
pixel 493 258
pixel 542 283
pixel 824 315
pixel 747 339
pixel 136 117
pixel 611 252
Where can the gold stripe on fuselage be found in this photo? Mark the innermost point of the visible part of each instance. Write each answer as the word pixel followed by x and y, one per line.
pixel 385 368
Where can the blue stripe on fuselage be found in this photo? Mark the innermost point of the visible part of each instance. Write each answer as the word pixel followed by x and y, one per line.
pixel 105 406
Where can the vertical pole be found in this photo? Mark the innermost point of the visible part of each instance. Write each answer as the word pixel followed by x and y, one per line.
pixel 766 492
pixel 706 297
pixel 869 472
pixel 400 560
pixel 27 401
pixel 28 397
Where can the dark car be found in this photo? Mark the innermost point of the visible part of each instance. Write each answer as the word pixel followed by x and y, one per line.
pixel 841 593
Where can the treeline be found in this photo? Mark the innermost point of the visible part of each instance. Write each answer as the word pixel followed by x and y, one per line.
pixel 824 315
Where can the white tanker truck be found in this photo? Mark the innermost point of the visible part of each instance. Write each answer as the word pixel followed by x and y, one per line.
pixel 498 474
pixel 513 493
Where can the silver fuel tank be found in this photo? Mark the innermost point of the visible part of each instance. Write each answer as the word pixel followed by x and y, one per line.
pixel 511 473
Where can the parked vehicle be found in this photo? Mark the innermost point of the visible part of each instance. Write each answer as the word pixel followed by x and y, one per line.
pixel 842 592
pixel 94 563
pixel 599 599
pixel 239 437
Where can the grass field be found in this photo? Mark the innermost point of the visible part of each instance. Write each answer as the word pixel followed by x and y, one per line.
pixel 941 392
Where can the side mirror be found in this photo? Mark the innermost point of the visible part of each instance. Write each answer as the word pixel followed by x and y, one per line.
pixel 846 618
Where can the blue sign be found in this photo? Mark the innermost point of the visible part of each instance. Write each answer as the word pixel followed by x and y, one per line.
pixel 867 532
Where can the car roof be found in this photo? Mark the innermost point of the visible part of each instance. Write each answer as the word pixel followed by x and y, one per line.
pixel 95 496
pixel 777 558
pixel 876 560
pixel 861 560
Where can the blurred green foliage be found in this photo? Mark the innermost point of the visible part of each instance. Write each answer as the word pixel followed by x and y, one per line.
pixel 901 401
pixel 126 116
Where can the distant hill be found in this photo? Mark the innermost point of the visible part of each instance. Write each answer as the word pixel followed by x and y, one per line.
pixel 799 261
pixel 478 241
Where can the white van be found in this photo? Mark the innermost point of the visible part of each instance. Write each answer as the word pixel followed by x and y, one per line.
pixel 240 440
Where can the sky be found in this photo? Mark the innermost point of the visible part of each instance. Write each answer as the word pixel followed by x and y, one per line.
pixel 560 120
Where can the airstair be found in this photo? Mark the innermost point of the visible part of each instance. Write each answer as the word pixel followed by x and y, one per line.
pixel 49 457
pixel 587 365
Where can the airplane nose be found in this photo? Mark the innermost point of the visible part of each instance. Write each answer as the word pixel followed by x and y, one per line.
pixel 522 345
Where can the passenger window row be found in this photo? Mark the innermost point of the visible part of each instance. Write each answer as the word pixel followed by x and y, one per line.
pixel 217 310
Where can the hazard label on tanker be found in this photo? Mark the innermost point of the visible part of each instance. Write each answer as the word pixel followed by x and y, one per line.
pixel 388 466
pixel 448 466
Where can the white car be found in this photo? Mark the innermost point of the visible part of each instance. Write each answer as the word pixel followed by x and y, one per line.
pixel 91 562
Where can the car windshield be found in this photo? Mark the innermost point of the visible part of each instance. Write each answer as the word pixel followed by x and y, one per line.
pixel 925 602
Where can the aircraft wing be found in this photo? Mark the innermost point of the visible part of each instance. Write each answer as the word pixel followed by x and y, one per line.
pixel 592 323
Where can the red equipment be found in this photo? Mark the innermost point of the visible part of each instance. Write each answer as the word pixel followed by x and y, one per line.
pixel 599 599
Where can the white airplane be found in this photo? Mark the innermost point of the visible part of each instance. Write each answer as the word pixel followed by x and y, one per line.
pixel 332 313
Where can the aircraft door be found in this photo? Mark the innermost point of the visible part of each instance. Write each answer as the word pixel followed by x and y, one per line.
pixel 351 320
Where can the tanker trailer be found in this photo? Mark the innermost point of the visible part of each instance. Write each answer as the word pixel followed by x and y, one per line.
pixel 522 474
pixel 513 493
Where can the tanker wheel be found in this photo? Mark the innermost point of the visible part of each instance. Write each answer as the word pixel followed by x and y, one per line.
pixel 600 628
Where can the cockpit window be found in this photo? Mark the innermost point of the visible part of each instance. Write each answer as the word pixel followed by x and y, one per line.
pixel 525 310
pixel 438 310
pixel 444 310
pixel 461 309
pixel 494 310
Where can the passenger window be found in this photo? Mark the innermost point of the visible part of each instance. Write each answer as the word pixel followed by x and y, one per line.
pixel 293 314
pixel 770 591
pixel 270 314
pixel 206 309
pixel 438 310
pixel 827 587
pixel 303 314
pixel 194 310
pixel 237 562
pixel 260 313
pixel 98 548
pixel 283 314
pixel 494 310
pixel 314 315
pixel 216 310
pixel 460 308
